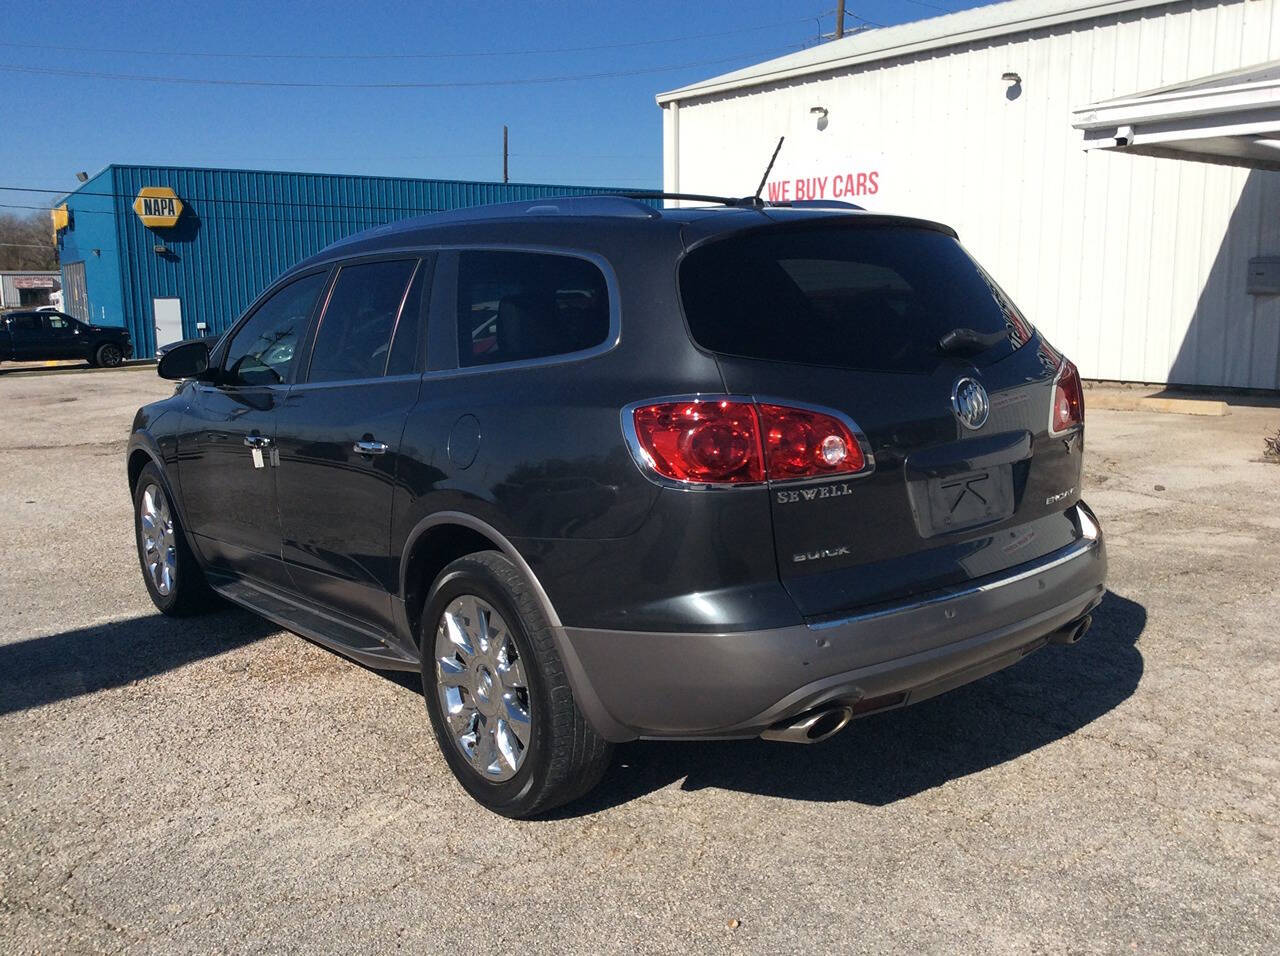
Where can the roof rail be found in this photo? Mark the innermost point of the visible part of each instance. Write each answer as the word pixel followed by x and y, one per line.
pixel 818 204
pixel 570 205
pixel 749 202
pixel 595 205
pixel 698 197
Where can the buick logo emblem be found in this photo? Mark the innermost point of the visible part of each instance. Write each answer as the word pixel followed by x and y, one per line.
pixel 970 403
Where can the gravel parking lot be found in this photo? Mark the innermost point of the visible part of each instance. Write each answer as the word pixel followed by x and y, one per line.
pixel 221 785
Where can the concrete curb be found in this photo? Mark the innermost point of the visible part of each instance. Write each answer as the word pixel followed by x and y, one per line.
pixel 31 371
pixel 1121 402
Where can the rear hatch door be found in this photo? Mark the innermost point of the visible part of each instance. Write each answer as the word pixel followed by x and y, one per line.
pixel 847 314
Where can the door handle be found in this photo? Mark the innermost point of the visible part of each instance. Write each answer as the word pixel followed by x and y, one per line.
pixel 364 447
pixel 257 441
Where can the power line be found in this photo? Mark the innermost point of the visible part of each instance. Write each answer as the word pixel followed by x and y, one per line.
pixel 407 85
pixel 372 216
pixel 259 203
pixel 14 205
pixel 932 6
pixel 240 55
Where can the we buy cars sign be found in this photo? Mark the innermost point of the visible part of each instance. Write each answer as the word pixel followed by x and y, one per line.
pixel 814 170
pixel 847 185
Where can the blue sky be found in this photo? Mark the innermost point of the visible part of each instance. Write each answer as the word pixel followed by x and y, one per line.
pixel 605 131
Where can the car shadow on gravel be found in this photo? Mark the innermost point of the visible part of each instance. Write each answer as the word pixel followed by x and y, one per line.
pixel 887 757
pixel 43 670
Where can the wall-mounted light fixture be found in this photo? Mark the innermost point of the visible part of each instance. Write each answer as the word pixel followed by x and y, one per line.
pixel 1015 85
pixel 160 249
pixel 83 177
pixel 821 113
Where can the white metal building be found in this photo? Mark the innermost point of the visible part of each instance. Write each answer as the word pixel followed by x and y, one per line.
pixel 1144 256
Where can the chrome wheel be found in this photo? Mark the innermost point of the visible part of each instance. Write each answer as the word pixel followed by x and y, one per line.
pixel 155 532
pixel 484 693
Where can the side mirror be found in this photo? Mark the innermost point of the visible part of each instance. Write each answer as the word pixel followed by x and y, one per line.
pixel 188 360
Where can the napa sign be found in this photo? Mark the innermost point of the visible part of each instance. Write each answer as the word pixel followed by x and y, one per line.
pixel 158 207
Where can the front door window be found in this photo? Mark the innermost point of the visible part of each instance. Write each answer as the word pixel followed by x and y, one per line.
pixel 263 349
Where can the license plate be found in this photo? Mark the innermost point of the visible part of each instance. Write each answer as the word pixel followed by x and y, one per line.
pixel 955 502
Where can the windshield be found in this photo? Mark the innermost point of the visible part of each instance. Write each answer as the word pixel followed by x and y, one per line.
pixel 875 298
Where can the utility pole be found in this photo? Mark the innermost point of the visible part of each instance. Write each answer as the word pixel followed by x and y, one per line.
pixel 839 19
pixel 504 152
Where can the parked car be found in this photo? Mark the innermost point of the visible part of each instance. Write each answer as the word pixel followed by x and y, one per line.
pixel 167 346
pixel 29 336
pixel 600 471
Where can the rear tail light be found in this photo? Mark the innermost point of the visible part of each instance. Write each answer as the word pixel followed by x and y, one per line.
pixel 1068 400
pixel 737 441
pixel 801 443
pixel 706 442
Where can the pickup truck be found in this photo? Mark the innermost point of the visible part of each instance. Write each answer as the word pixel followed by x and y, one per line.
pixel 29 336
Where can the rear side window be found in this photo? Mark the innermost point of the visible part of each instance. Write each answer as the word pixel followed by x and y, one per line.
pixel 354 340
pixel 874 298
pixel 262 350
pixel 514 306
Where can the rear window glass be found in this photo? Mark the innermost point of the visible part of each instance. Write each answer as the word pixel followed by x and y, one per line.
pixel 874 298
pixel 514 306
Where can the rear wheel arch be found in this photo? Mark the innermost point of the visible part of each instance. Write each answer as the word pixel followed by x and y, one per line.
pixel 442 538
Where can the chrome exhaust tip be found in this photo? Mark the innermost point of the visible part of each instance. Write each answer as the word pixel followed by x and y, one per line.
pixel 811 727
pixel 1072 632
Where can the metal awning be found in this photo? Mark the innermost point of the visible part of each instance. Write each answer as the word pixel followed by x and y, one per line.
pixel 1229 118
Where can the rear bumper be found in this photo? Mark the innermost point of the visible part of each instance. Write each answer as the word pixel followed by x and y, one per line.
pixel 641 684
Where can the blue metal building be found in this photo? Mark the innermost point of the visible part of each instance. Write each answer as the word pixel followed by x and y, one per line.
pixel 235 232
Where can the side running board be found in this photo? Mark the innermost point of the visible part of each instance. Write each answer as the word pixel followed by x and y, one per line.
pixel 363 646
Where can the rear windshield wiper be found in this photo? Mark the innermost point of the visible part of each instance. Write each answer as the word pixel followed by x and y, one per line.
pixel 969 341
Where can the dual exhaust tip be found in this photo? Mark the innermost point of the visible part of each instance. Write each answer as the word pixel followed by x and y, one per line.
pixel 822 723
pixel 1073 631
pixel 812 727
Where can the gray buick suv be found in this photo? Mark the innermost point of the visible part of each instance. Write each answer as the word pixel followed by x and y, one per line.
pixel 601 470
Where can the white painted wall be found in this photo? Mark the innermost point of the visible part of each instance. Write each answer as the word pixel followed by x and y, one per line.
pixel 1133 265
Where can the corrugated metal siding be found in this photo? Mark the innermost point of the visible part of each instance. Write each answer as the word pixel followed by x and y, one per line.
pixel 240 229
pixel 10 294
pixel 75 291
pixel 1134 265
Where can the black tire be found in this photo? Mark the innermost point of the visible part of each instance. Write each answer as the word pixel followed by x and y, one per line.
pixel 108 355
pixel 564 758
pixel 189 592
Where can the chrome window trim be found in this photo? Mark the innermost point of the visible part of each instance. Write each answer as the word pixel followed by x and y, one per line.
pixel 304 376
pixel 645 463
pixel 613 337
pixel 213 387
pixel 343 383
